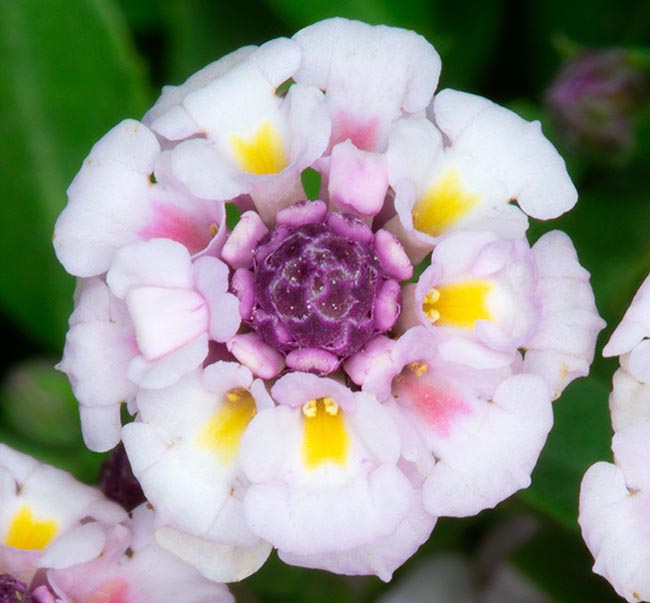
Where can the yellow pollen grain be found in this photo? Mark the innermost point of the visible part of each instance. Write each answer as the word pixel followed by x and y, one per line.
pixel 214 229
pixel 222 433
pixel 417 368
pixel 262 153
pixel 443 205
pixel 325 437
pixel 30 533
pixel 459 304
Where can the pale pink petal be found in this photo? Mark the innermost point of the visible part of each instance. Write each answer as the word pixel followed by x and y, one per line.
pixel 635 325
pixel 358 180
pixel 371 75
pixel 563 346
pixel 491 452
pixel 168 116
pixel 513 149
pixel 614 523
pixel 216 561
pixel 381 558
pixel 629 402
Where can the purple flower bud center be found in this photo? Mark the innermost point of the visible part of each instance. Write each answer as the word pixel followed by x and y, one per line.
pixel 13 591
pixel 315 288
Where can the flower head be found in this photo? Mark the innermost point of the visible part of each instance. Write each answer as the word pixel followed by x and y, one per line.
pixel 293 385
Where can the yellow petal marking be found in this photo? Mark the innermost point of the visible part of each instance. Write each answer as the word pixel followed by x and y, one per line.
pixel 222 433
pixel 443 205
pixel 325 437
pixel 458 305
pixel 262 153
pixel 30 533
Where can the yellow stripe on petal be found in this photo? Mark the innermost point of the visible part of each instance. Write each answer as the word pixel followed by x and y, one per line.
pixel 443 205
pixel 325 437
pixel 222 433
pixel 262 153
pixel 30 533
pixel 458 305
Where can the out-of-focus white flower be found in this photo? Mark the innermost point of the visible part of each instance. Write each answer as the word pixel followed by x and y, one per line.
pixel 62 541
pixel 615 498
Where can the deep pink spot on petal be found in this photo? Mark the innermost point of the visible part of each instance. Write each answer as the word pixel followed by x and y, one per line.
pixel 362 134
pixel 170 222
pixel 434 401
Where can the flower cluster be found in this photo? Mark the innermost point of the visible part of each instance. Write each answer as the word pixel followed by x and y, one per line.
pixel 61 541
pixel 615 498
pixel 327 376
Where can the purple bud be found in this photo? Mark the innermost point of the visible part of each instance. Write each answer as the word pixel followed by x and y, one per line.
pixel 117 482
pixel 13 591
pixel 594 98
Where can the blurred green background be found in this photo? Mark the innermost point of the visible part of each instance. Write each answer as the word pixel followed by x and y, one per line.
pixel 71 69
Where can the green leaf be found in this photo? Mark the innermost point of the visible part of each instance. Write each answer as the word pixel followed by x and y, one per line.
pixel 202 31
pixel 580 437
pixel 38 404
pixel 69 74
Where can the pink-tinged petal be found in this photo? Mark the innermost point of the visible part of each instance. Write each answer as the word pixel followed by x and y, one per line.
pixel 390 252
pixel 243 285
pixel 629 402
pixel 252 351
pixel 435 404
pixel 168 117
pixel 312 360
pixel 163 372
pixel 358 513
pixel 387 305
pixel 638 362
pixel 362 133
pixel 381 558
pixel 170 222
pixel 216 561
pixel 348 226
pixel 563 345
pixel 211 276
pixel 159 263
pixel 358 180
pixel 96 220
pixel 100 425
pixel 635 324
pixel 113 201
pixel 248 88
pixel 614 523
pixel 369 73
pixel 78 545
pixel 301 213
pixel 99 347
pixel 513 149
pixel 238 249
pixel 631 449
pixel 133 568
pixel 205 171
pixel 166 319
pixel 294 389
pixel 375 351
pixel 492 451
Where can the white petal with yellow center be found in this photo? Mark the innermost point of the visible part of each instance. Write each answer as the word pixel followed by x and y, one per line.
pixel 444 203
pixel 325 437
pixel 30 532
pixel 261 153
